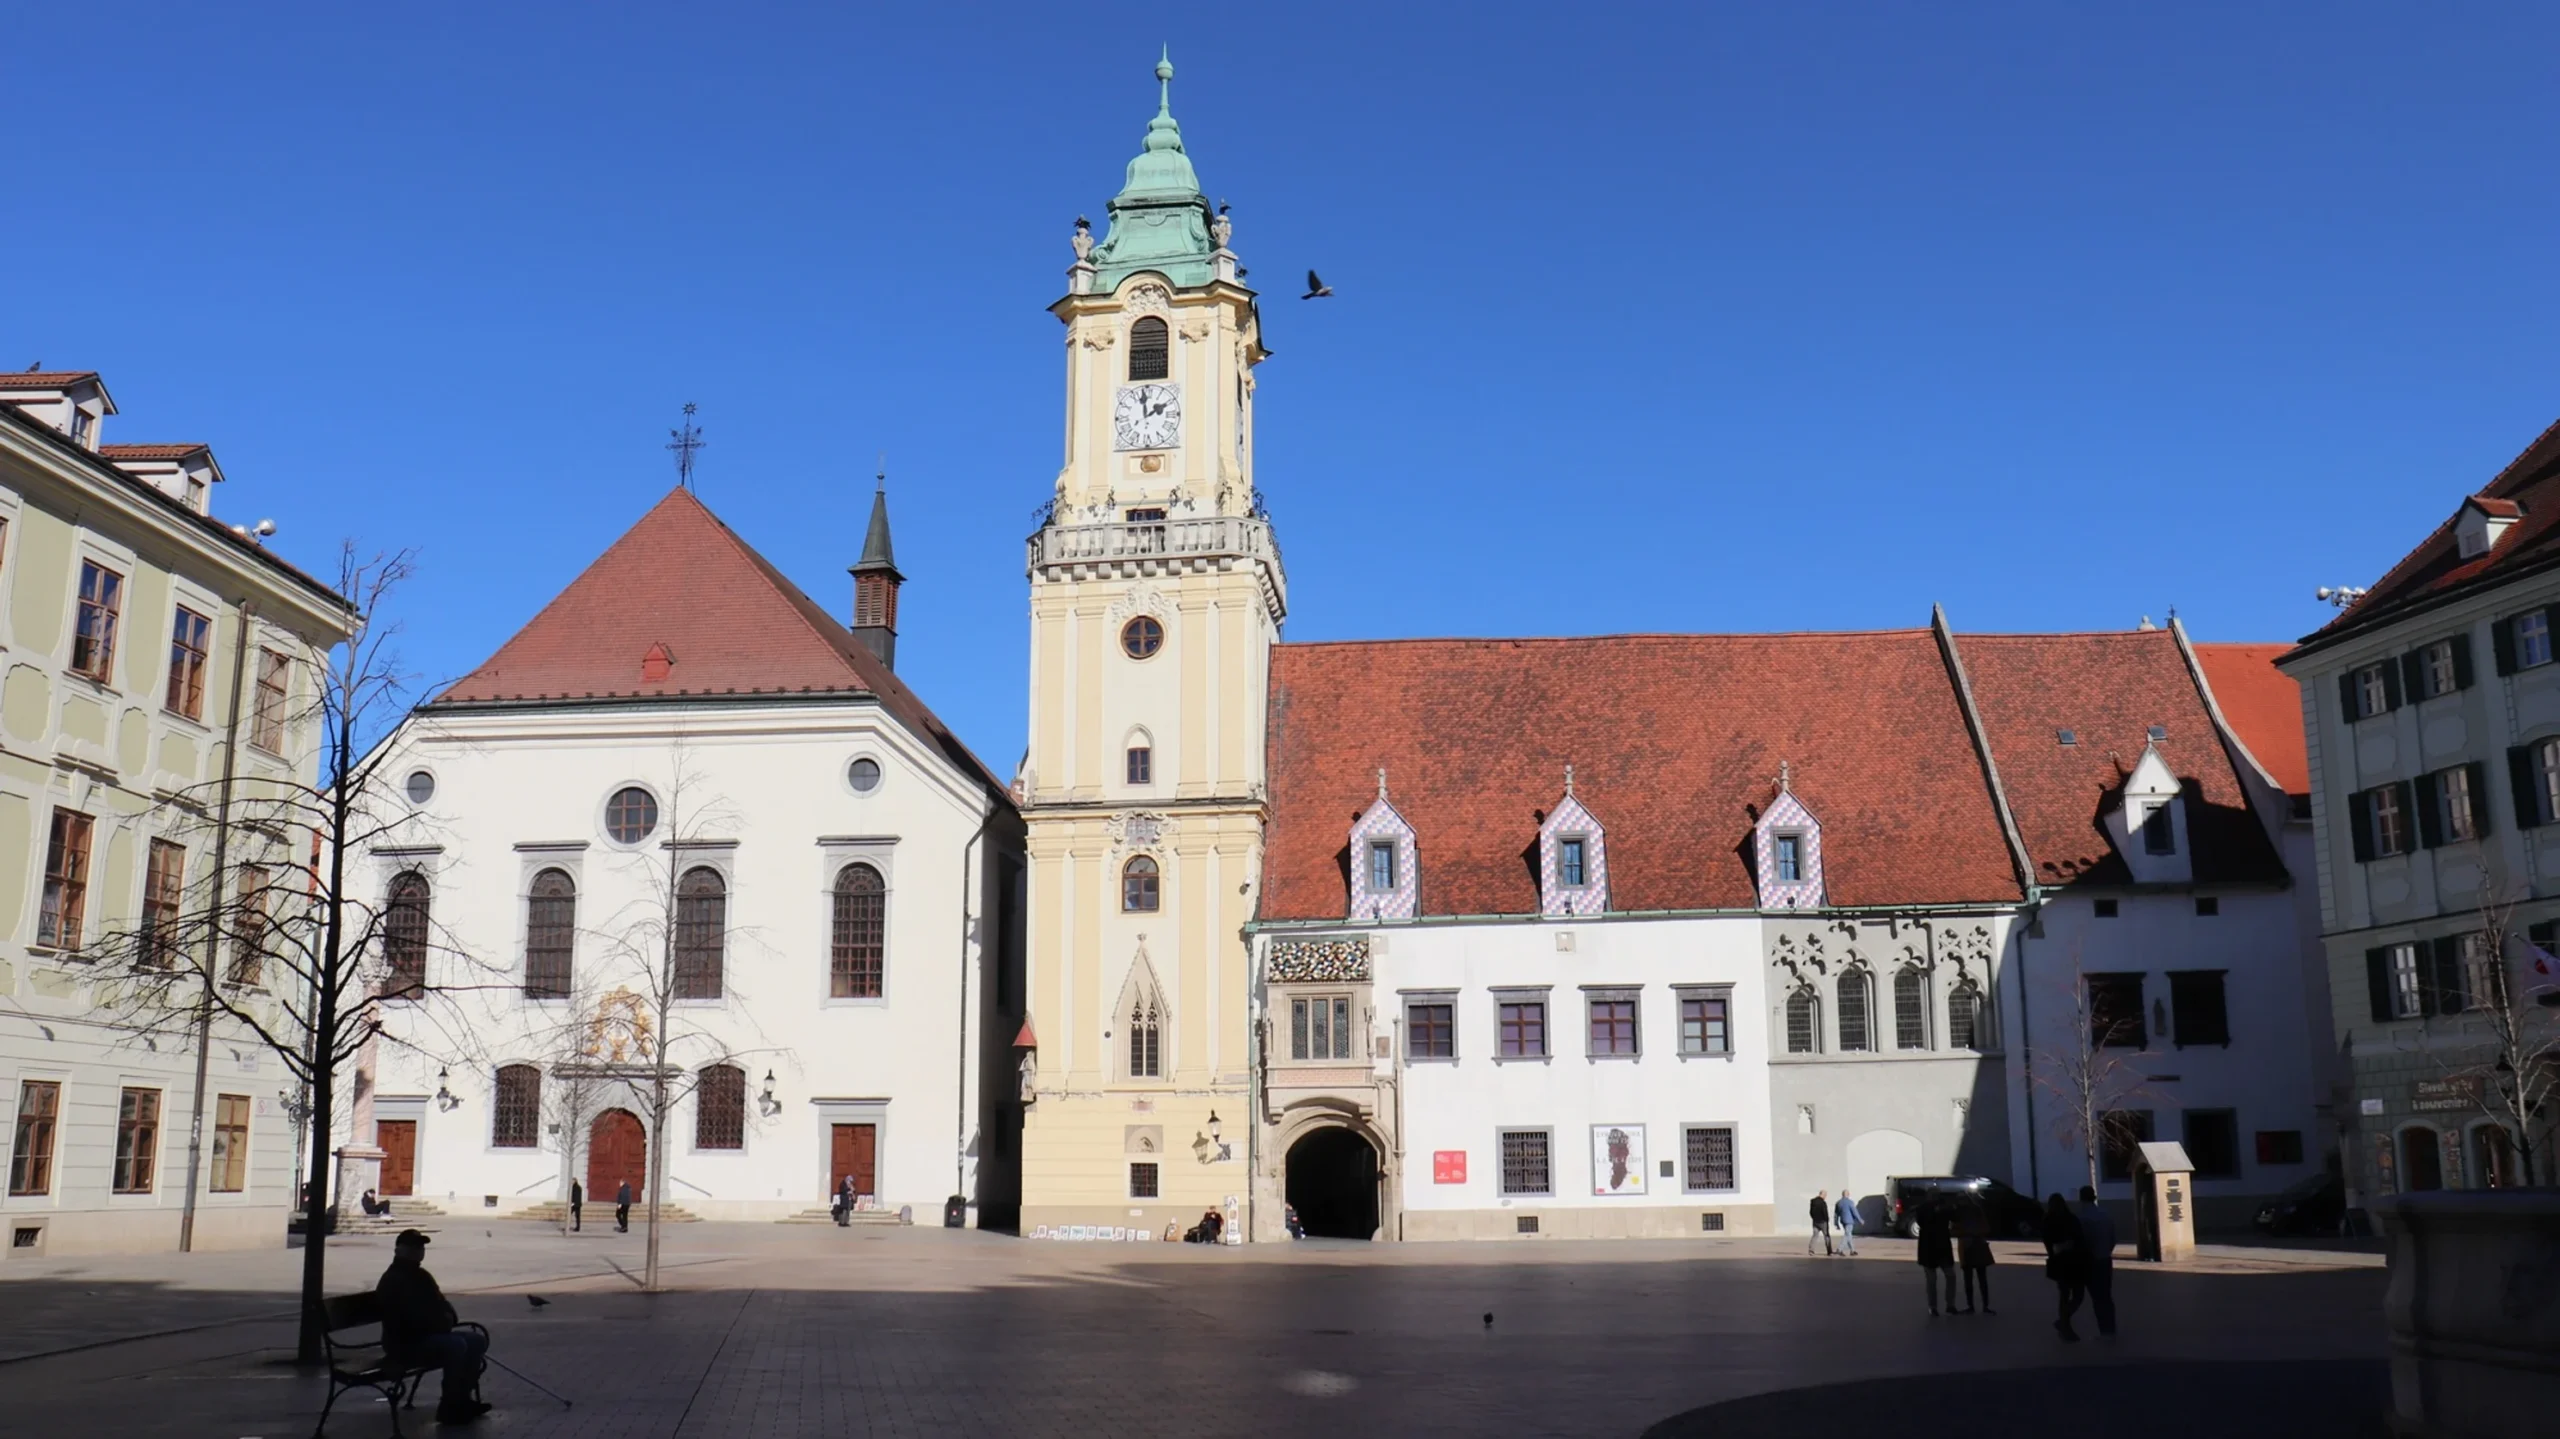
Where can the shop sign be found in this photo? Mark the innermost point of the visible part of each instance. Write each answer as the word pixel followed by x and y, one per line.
pixel 2435 1094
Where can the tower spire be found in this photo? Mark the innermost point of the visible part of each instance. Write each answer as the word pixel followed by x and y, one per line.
pixel 1159 220
pixel 876 578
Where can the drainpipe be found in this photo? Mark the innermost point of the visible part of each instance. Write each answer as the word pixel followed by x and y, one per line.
pixel 213 938
pixel 960 1145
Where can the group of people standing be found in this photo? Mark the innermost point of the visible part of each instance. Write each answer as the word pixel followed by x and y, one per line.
pixel 1955 1235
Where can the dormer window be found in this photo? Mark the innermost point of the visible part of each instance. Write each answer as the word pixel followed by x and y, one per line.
pixel 2158 836
pixel 1381 862
pixel 1788 852
pixel 1382 866
pixel 1150 349
pixel 1573 858
pixel 84 428
pixel 1570 871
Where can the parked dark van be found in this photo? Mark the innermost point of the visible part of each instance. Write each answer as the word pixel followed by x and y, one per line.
pixel 2012 1215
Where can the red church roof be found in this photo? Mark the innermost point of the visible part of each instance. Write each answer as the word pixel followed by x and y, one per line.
pixel 681 608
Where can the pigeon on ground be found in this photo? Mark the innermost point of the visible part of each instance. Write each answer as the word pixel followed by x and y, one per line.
pixel 1488 1319
pixel 1317 289
pixel 536 1300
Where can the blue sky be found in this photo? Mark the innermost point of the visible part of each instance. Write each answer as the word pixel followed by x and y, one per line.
pixel 1683 317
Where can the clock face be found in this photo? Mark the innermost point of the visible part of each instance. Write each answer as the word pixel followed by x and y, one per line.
pixel 1147 417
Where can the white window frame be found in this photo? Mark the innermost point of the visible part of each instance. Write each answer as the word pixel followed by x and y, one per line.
pixel 2435 666
pixel 2373 692
pixel 2532 647
pixel 2408 980
pixel 2397 830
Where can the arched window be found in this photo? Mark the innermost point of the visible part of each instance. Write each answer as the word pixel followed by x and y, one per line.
pixel 1804 1018
pixel 1969 1018
pixel 1910 1009
pixel 404 936
pixel 1146 1035
pixel 1150 350
pixel 1142 764
pixel 860 950
pixel 550 934
pixel 515 1120
pixel 1138 886
pixel 702 928
pixel 720 1108
pixel 1855 996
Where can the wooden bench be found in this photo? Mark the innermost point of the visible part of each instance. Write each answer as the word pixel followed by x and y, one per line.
pixel 357 1363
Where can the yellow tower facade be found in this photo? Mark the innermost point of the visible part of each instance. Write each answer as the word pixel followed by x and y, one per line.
pixel 1156 595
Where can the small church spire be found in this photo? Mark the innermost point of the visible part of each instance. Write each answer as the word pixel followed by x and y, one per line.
pixel 876 579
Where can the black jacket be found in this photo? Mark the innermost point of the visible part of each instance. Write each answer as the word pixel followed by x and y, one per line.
pixel 1820 1211
pixel 413 1307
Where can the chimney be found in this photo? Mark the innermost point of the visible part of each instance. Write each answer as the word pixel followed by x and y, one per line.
pixel 875 584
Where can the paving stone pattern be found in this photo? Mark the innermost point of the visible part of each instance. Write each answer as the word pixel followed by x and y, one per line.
pixel 787 1331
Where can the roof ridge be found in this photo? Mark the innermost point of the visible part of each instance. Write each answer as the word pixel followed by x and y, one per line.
pixel 1914 631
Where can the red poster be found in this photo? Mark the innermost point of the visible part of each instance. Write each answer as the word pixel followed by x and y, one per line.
pixel 1448 1166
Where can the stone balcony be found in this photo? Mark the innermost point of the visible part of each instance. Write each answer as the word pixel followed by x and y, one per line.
pixel 1161 547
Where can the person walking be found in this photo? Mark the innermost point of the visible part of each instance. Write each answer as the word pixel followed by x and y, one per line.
pixel 2065 1263
pixel 1820 1212
pixel 1937 1254
pixel 1846 1212
pixel 577 1205
pixel 2098 1242
pixel 622 1208
pixel 1973 1255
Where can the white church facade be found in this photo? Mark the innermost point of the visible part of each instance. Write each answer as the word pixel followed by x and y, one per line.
pixel 685 819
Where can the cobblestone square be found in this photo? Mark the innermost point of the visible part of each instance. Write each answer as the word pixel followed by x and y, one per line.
pixel 776 1330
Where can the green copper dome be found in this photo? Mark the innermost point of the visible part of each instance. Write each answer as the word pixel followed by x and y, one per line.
pixel 1159 220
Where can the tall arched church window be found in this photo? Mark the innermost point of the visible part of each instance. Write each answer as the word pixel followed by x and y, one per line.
pixel 1855 1002
pixel 1910 1010
pixel 1146 1036
pixel 1803 1021
pixel 1150 350
pixel 515 1119
pixel 1139 892
pixel 550 934
pixel 860 953
pixel 702 927
pixel 1968 1018
pixel 720 1108
pixel 404 936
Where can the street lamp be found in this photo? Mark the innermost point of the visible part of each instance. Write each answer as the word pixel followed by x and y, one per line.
pixel 765 1101
pixel 446 1099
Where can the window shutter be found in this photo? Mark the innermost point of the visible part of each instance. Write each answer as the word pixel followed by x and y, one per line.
pixel 2377 983
pixel 2443 993
pixel 2360 822
pixel 2502 644
pixel 2462 674
pixel 2413 680
pixel 2528 795
pixel 2479 796
pixel 2430 812
pixel 2394 694
pixel 2347 697
pixel 2408 797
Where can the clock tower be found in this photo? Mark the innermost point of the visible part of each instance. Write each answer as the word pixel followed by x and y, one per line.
pixel 1156 594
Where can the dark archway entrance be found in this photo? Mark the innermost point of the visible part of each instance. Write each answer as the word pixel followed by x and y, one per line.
pixel 1333 1181
pixel 617 1149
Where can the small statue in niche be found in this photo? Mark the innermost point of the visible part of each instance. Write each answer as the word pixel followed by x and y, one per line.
pixel 1083 240
pixel 1221 229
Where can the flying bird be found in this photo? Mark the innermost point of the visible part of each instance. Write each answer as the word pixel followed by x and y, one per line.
pixel 1317 289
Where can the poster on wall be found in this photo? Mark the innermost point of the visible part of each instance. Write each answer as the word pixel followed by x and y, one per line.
pixel 1617 1159
pixel 1448 1166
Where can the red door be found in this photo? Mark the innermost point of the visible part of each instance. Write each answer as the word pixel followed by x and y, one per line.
pixel 854 1150
pixel 617 1149
pixel 398 1141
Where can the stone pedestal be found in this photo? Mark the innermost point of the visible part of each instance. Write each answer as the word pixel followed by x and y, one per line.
pixel 359 1169
pixel 2474 1310
pixel 2164 1203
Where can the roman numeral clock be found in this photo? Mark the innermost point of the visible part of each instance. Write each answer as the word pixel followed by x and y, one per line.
pixel 1147 417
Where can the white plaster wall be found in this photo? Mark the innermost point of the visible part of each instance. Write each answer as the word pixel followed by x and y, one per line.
pixel 1464 1103
pixel 772 780
pixel 2272 1072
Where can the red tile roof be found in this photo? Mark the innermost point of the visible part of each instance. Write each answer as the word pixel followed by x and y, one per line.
pixel 2436 568
pixel 43 379
pixel 2264 707
pixel 1675 742
pixel 151 452
pixel 2108 689
pixel 681 583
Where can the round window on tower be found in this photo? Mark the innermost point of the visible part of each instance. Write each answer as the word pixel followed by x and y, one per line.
pixel 631 815
pixel 863 775
pixel 420 786
pixel 1141 637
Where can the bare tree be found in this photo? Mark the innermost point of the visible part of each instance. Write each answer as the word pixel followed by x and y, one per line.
pixel 2498 989
pixel 278 938
pixel 2093 1075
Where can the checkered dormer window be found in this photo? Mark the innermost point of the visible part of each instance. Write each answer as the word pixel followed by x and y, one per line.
pixel 1573 861
pixel 1385 858
pixel 1787 852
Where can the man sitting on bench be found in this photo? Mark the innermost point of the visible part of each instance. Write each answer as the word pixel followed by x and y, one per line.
pixel 420 1328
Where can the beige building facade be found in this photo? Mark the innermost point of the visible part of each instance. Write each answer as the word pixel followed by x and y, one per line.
pixel 1156 595
pixel 146 650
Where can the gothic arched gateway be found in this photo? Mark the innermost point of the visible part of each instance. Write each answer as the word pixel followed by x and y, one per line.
pixel 1333 1182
